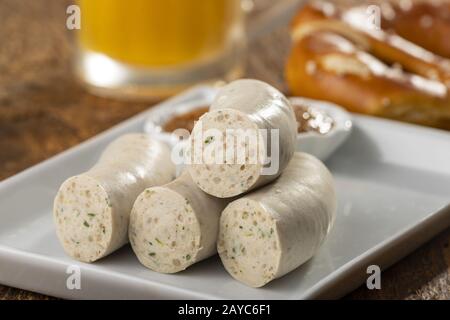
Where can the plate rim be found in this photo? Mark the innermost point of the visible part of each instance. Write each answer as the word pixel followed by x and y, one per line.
pixel 436 221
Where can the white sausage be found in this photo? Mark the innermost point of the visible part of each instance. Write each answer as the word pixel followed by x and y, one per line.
pixel 91 210
pixel 274 230
pixel 247 105
pixel 174 226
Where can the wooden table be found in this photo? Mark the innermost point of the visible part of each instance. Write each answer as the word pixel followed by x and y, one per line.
pixel 43 111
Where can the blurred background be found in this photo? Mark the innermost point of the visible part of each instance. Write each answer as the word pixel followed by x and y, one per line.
pixel 59 86
pixel 44 105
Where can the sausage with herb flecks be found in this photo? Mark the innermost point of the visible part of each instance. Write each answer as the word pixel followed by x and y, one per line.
pixel 241 131
pixel 273 230
pixel 91 210
pixel 174 226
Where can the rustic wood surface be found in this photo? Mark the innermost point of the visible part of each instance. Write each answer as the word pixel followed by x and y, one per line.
pixel 43 111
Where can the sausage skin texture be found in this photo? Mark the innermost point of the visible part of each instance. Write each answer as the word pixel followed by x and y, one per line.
pixel 243 105
pixel 174 226
pixel 273 230
pixel 91 210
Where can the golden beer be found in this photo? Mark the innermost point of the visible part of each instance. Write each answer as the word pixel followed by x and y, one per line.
pixel 154 47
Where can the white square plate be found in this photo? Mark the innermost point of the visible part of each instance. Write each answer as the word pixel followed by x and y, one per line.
pixel 393 183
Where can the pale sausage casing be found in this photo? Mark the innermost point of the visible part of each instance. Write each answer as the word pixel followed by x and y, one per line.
pixel 275 229
pixel 175 225
pixel 242 108
pixel 91 210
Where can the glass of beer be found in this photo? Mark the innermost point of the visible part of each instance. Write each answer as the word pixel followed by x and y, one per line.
pixel 155 48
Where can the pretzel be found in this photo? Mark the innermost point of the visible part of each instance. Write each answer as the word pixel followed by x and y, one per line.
pixel 336 56
pixel 325 65
pixel 355 23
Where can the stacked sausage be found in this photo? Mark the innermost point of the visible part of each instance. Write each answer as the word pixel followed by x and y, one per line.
pixel 245 193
